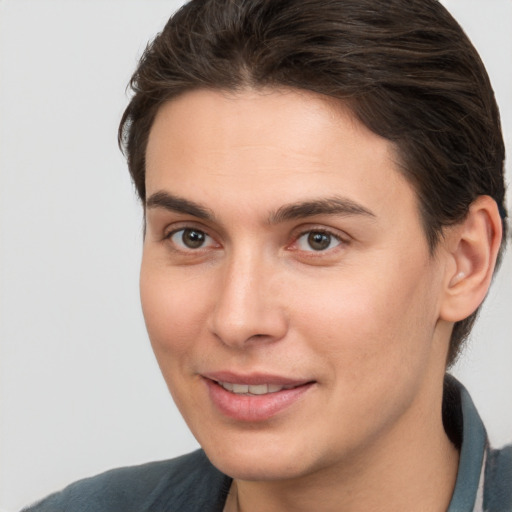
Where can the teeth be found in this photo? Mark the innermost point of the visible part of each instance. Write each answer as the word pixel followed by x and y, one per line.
pixel 228 386
pixel 258 389
pixel 240 388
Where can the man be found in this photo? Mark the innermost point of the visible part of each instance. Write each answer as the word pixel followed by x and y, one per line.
pixel 323 192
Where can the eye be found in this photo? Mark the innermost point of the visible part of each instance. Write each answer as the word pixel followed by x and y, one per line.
pixel 317 241
pixel 190 239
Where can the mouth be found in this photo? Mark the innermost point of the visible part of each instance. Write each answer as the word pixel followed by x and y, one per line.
pixel 254 398
pixel 253 389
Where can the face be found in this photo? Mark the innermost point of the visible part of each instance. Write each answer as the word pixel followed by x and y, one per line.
pixel 286 283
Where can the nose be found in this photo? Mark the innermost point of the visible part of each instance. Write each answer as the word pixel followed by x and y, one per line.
pixel 248 308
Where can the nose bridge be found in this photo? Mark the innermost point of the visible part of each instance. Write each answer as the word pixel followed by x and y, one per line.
pixel 247 308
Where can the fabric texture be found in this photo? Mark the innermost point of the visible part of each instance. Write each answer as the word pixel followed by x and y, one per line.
pixel 190 483
pixel 186 484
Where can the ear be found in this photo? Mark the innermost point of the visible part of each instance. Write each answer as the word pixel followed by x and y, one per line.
pixel 472 251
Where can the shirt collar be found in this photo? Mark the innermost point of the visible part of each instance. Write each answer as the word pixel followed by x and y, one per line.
pixel 468 492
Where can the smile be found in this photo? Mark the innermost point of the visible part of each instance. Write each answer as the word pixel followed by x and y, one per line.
pixel 254 398
pixel 252 389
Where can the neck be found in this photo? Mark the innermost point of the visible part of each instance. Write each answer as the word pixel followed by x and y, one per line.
pixel 413 467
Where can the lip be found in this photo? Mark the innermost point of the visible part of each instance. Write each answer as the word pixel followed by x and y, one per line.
pixel 254 408
pixel 253 379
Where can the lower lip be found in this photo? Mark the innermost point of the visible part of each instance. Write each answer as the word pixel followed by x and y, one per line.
pixel 252 408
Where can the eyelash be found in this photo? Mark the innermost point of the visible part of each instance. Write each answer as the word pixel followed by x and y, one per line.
pixel 319 231
pixel 169 237
pixel 340 241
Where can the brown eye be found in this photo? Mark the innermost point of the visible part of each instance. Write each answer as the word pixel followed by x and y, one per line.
pixel 317 241
pixel 190 238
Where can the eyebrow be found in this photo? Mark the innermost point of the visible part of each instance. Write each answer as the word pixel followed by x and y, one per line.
pixel 325 206
pixel 178 204
pixel 300 210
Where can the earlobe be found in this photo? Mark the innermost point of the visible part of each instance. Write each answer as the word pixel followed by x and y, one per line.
pixel 474 245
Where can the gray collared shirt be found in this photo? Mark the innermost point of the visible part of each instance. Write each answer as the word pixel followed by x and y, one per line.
pixel 484 478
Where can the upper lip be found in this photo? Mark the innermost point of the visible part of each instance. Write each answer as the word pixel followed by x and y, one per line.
pixel 253 379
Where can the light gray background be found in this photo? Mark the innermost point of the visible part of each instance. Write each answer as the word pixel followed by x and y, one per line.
pixel 80 391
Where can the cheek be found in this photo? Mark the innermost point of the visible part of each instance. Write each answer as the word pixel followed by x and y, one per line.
pixel 373 339
pixel 375 324
pixel 173 311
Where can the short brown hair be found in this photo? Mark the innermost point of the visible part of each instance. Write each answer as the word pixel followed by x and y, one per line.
pixel 404 67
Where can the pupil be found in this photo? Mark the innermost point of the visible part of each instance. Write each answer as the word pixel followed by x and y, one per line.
pixel 319 241
pixel 192 238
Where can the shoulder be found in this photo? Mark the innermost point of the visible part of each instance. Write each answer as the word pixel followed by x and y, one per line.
pixel 187 483
pixel 498 479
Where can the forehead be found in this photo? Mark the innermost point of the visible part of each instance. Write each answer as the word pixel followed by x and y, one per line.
pixel 268 146
pixel 266 117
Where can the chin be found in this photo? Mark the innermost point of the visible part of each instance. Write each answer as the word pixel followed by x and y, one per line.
pixel 240 467
pixel 261 457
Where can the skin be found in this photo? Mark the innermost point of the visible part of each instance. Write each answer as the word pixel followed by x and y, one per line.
pixel 363 319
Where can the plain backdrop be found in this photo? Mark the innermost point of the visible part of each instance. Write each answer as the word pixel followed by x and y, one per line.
pixel 80 391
